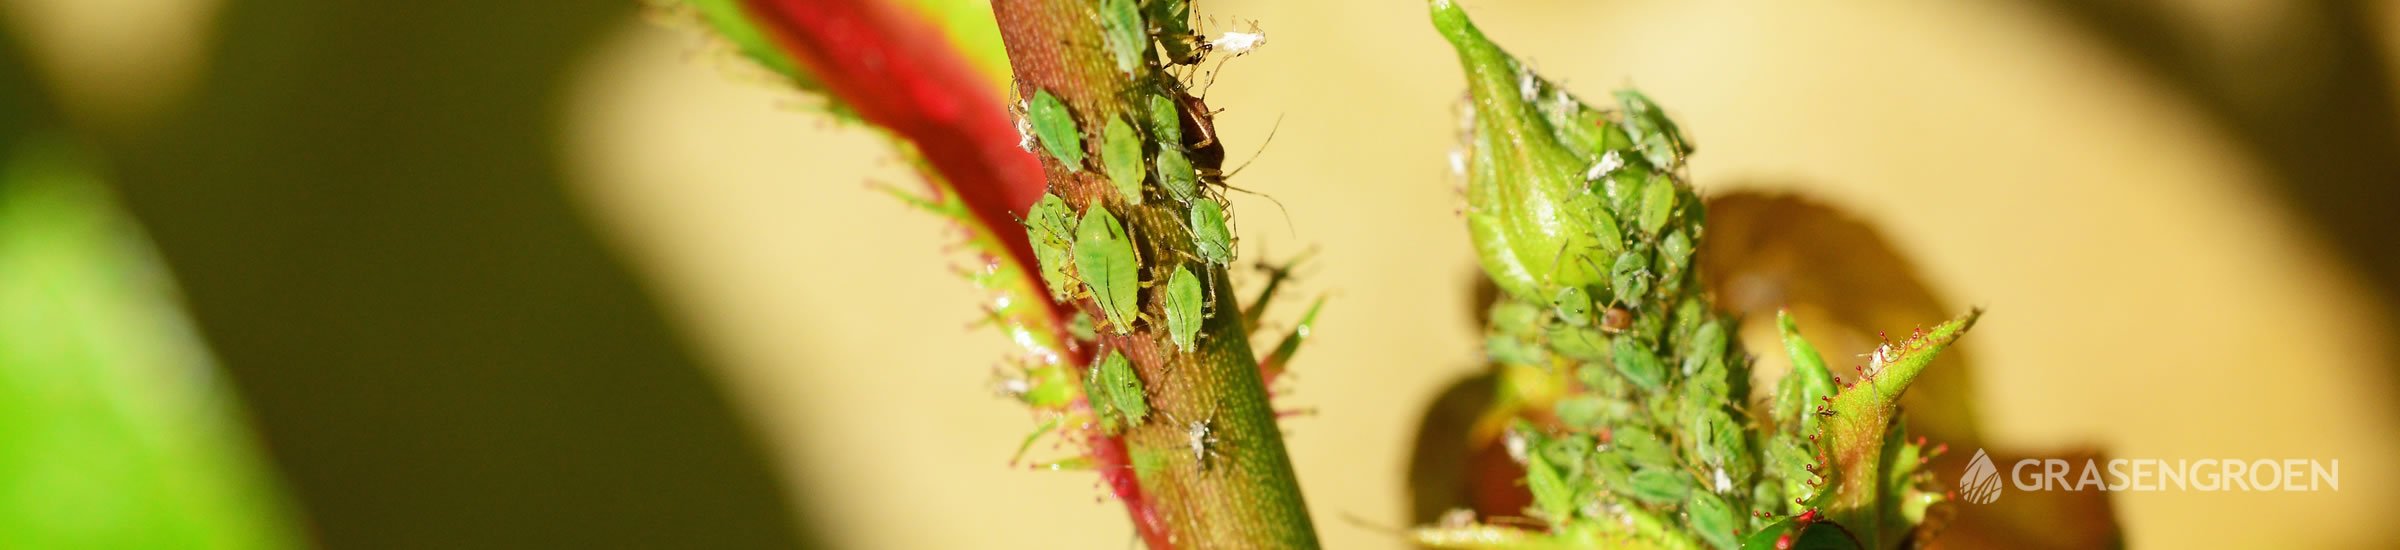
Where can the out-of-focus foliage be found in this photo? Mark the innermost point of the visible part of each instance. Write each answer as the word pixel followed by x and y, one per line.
pixel 115 430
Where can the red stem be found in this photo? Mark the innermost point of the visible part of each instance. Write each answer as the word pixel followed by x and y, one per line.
pixel 893 69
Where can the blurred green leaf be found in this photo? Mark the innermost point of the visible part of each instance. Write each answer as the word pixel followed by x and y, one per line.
pixel 115 430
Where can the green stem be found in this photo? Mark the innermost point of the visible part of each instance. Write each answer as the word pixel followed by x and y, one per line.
pixel 1235 489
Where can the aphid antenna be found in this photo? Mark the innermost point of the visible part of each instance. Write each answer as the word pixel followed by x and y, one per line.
pixel 1262 149
pixel 1355 521
pixel 1220 180
pixel 1517 521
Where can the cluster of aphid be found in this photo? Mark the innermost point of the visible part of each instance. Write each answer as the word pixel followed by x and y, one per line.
pixel 1584 218
pixel 1159 159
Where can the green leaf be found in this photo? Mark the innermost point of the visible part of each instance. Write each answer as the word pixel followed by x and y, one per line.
pixel 1281 358
pixel 1812 380
pixel 1861 437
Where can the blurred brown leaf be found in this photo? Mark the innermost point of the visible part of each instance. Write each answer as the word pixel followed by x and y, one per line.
pixel 1846 284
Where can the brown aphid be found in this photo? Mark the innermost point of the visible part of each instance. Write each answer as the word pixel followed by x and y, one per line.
pixel 1615 320
pixel 1200 134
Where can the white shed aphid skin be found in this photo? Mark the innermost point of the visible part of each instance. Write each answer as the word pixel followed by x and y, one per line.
pixel 1024 126
pixel 1202 437
pixel 1876 360
pixel 1238 43
pixel 1608 164
pixel 1529 87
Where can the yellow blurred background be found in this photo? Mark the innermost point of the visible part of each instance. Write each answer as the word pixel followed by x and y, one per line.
pixel 2156 287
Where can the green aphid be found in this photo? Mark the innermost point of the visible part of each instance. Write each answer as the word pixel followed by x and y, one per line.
pixel 1655 136
pixel 1048 388
pixel 1658 203
pixel 1604 226
pixel 1185 306
pixel 1051 228
pixel 1641 447
pixel 1712 519
pixel 1573 306
pixel 1706 346
pixel 1591 412
pixel 1104 257
pixel 1600 379
pixel 1175 173
pixel 1790 458
pixel 1767 495
pixel 1706 388
pixel 1623 189
pixel 1658 485
pixel 1209 234
pixel 1676 251
pixel 1127 36
pixel 1055 125
pixel 1581 343
pixel 1515 317
pixel 1173 20
pixel 1103 397
pixel 1116 393
pixel 1511 350
pixel 1639 366
pixel 1051 220
pixel 1128 395
pixel 1552 496
pixel 1166 121
pixel 1121 158
pixel 1689 314
pixel 1714 436
pixel 1629 277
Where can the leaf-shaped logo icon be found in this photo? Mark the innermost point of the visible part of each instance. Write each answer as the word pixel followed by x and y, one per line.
pixel 1981 484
